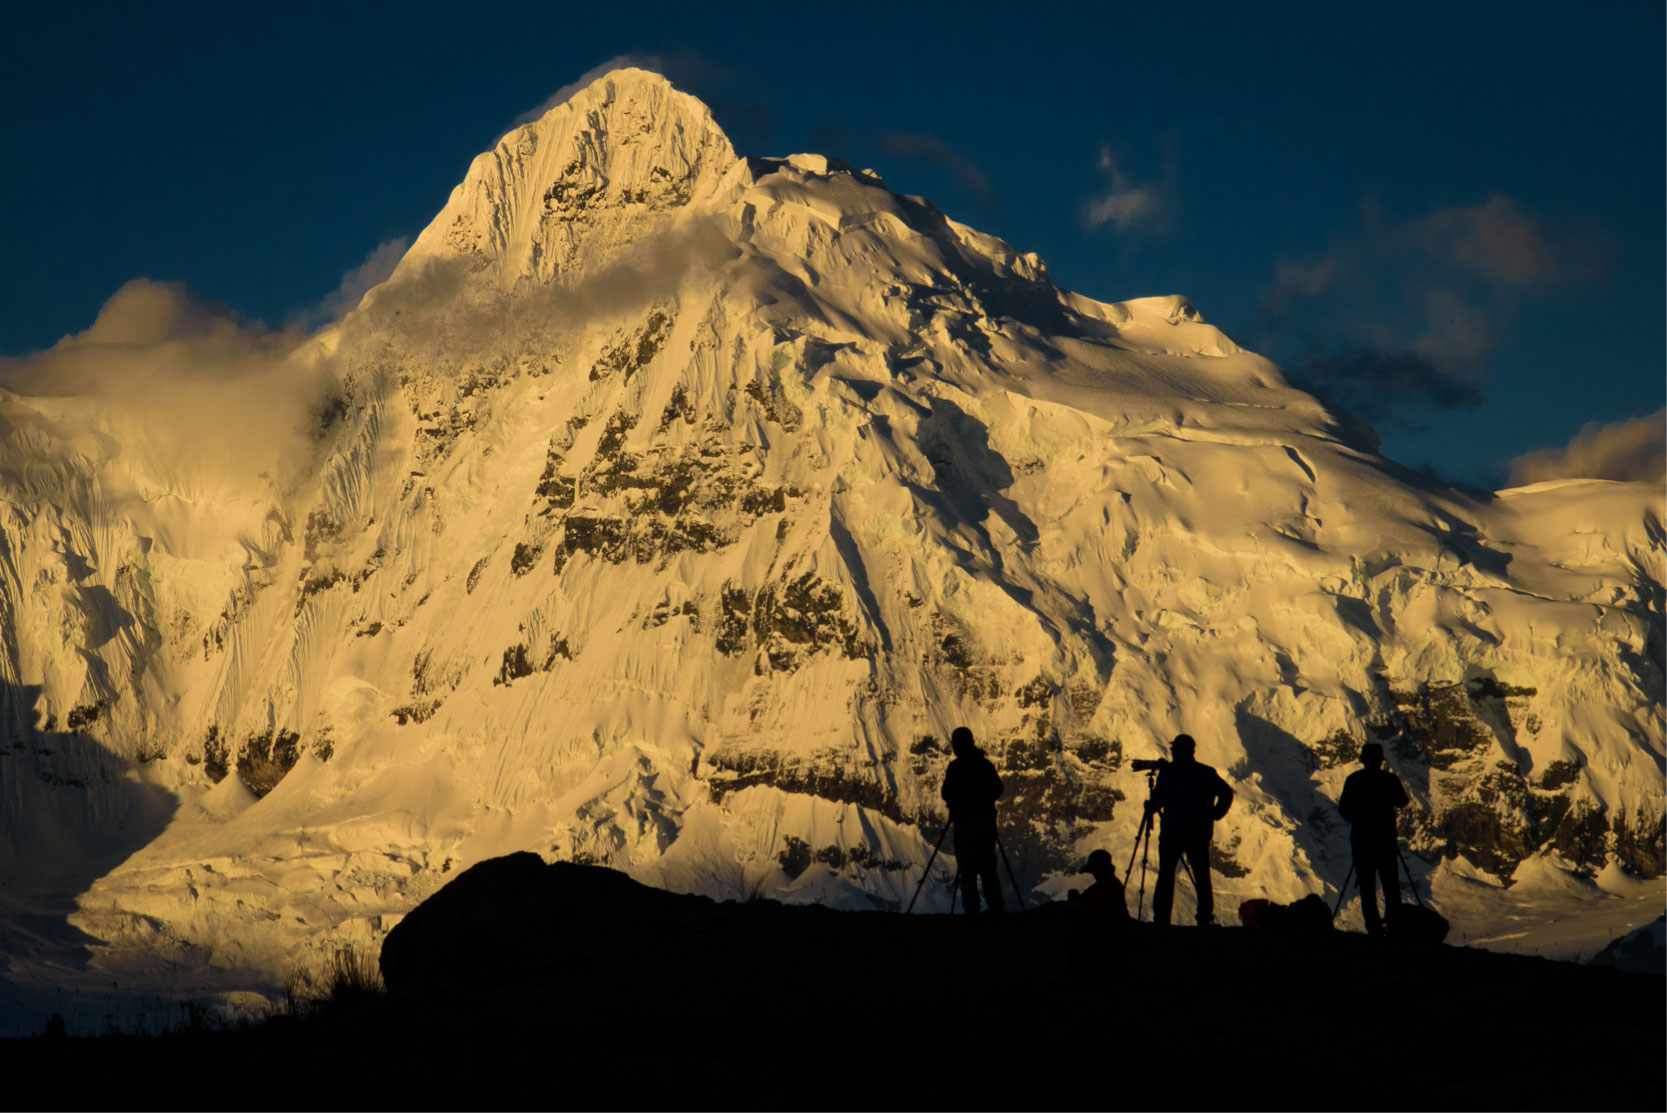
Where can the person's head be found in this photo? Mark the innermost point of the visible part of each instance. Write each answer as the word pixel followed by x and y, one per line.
pixel 1183 748
pixel 1371 755
pixel 960 740
pixel 1099 864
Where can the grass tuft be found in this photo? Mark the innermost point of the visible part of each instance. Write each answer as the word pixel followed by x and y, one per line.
pixel 349 975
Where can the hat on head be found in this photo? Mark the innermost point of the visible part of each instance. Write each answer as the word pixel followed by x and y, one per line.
pixel 1099 862
pixel 1371 754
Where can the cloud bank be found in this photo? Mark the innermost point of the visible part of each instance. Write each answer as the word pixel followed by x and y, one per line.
pixel 1403 315
pixel 182 394
pixel 1624 450
pixel 445 307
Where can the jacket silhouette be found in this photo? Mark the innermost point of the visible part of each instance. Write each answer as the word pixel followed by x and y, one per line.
pixel 1371 797
pixel 971 788
pixel 1104 900
pixel 1191 797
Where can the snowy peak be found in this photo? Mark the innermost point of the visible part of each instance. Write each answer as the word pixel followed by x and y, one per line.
pixel 624 157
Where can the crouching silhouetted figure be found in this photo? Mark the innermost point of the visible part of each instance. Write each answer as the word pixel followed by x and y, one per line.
pixel 971 788
pixel 1191 796
pixel 1371 797
pixel 1105 900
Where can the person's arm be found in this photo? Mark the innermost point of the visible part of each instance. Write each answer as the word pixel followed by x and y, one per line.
pixel 1160 792
pixel 948 780
pixel 1224 798
pixel 1345 802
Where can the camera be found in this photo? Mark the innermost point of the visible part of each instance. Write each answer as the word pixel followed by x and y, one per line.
pixel 1148 765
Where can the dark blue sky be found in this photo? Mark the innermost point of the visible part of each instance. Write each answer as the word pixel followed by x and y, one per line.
pixel 1449 219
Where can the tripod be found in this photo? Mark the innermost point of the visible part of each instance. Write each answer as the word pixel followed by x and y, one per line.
pixel 1143 843
pixel 928 873
pixel 954 884
pixel 1411 883
pixel 1018 893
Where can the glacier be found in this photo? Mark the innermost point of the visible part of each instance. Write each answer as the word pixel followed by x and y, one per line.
pixel 667 508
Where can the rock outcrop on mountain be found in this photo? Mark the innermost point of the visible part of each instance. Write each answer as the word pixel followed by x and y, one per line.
pixel 667 509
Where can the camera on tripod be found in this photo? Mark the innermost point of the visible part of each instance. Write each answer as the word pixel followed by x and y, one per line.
pixel 1148 765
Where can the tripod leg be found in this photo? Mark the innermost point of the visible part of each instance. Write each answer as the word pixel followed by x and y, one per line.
pixel 928 873
pixel 1135 849
pixel 1343 891
pixel 1140 907
pixel 1016 891
pixel 1408 870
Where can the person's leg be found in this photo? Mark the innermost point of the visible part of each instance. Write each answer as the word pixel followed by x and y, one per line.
pixel 969 891
pixel 992 878
pixel 1366 871
pixel 1198 857
pixel 966 860
pixel 1163 889
pixel 1388 870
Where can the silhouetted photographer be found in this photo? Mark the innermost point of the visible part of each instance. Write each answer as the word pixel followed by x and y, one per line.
pixel 971 788
pixel 1190 797
pixel 1105 899
pixel 1371 797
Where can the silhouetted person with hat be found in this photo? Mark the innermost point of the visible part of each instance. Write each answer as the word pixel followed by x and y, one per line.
pixel 971 788
pixel 1371 797
pixel 1191 797
pixel 1105 899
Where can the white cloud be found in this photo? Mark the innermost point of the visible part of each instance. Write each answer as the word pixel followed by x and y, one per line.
pixel 1293 280
pixel 443 306
pixel 1501 242
pixel 358 281
pixel 186 390
pixel 1124 205
pixel 1625 450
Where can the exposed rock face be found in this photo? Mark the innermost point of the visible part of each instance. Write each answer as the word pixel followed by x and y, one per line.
pixel 671 508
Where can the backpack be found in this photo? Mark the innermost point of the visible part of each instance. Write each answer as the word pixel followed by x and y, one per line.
pixel 1413 923
pixel 1306 915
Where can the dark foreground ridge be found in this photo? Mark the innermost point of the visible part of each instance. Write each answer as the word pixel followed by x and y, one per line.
pixel 523 984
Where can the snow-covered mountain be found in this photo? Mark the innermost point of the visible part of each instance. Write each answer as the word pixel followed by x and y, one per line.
pixel 668 508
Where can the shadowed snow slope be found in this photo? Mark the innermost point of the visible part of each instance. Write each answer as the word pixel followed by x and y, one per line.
pixel 667 509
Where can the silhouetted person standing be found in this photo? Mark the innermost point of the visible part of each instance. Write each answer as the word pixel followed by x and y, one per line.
pixel 1191 797
pixel 971 788
pixel 1371 796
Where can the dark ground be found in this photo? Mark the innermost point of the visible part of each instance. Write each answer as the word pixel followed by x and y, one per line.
pixel 523 985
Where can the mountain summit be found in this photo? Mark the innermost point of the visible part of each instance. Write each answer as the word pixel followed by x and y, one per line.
pixel 668 509
pixel 568 191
